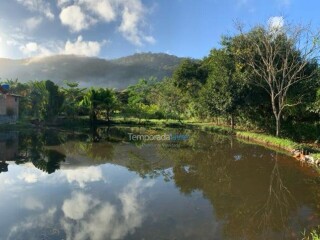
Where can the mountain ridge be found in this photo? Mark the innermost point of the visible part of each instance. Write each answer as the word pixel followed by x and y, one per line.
pixel 90 71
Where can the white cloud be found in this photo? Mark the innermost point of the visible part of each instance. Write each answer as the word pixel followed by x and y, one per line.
pixel 80 47
pixel 40 6
pixel 32 223
pixel 34 49
pixel 29 177
pixel 84 175
pixel 100 223
pixel 85 216
pixel 101 220
pixel 32 203
pixel 78 205
pixel 75 18
pixel 33 23
pixel 130 14
pixel 104 9
pixel 150 39
pixel 132 18
pixel 132 206
pixel 276 24
pixel 18 35
pixel 12 43
pixel 77 47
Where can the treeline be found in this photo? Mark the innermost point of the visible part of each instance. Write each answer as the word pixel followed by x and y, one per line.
pixel 266 78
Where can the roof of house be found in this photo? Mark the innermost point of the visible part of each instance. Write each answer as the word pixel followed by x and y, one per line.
pixel 3 91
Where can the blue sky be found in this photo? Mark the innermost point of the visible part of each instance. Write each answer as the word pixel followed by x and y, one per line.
pixel 116 28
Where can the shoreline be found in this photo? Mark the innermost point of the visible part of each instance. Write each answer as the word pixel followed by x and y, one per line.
pixel 262 139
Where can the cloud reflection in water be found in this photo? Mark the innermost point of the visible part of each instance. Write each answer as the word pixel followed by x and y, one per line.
pixel 83 215
pixel 97 219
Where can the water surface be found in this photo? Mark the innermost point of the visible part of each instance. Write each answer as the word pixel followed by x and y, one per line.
pixel 96 184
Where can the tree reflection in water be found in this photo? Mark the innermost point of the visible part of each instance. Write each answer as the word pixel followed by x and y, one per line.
pixel 254 193
pixel 47 149
pixel 251 193
pixel 278 203
pixel 32 148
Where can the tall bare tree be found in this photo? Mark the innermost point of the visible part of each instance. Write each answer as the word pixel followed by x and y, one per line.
pixel 280 56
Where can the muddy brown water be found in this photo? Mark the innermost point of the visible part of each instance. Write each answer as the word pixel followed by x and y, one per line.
pixel 97 184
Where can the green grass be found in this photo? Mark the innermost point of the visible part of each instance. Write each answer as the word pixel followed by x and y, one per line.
pixel 212 128
pixel 148 122
pixel 314 234
pixel 316 155
pixel 283 143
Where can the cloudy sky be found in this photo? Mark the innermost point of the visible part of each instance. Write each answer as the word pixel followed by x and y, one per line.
pixel 115 28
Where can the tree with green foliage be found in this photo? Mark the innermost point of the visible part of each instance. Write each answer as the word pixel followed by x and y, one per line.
pixel 173 103
pixel 38 99
pixel 141 98
pixel 190 75
pixel 225 90
pixel 315 106
pixel 90 101
pixel 46 100
pixel 189 78
pixel 108 102
pixel 99 101
pixel 55 100
pixel 278 58
pixel 73 95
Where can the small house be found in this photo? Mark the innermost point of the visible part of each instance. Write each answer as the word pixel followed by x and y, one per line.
pixel 9 105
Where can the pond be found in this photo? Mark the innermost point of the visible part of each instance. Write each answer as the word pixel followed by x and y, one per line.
pixel 100 184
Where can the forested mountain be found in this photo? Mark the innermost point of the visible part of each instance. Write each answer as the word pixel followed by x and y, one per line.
pixel 88 71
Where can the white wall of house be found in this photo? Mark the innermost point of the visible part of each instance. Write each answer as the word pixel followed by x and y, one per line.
pixel 9 108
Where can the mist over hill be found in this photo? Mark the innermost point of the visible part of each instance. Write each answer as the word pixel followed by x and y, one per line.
pixel 88 71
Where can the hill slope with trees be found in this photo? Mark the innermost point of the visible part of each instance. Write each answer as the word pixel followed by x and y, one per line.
pixel 117 73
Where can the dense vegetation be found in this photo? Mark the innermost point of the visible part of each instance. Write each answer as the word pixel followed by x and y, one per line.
pixel 266 78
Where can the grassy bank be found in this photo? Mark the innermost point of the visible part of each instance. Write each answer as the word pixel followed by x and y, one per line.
pixel 281 143
pixel 268 140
